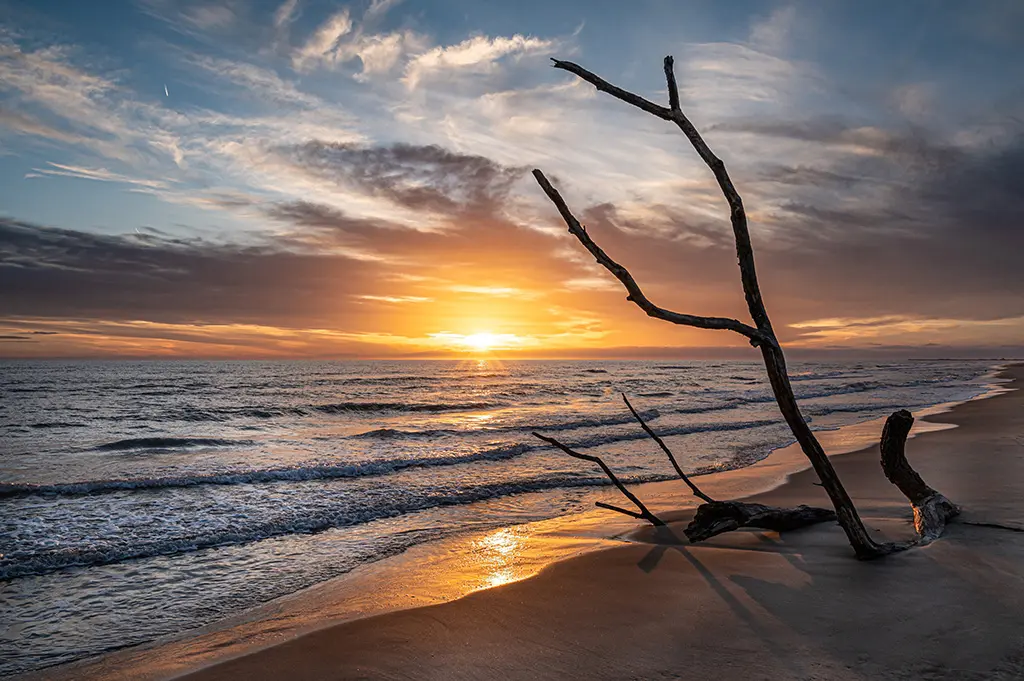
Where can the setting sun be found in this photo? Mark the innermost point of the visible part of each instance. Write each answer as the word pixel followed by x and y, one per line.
pixel 482 341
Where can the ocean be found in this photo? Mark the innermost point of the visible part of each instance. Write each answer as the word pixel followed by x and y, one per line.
pixel 143 499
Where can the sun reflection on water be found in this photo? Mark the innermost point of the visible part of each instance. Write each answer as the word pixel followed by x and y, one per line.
pixel 499 553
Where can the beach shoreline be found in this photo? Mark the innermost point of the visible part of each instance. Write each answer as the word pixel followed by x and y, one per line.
pixel 514 553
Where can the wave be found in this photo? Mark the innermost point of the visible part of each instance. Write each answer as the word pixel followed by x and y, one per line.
pixel 269 412
pixel 638 434
pixel 341 407
pixel 167 443
pixel 397 433
pixel 13 565
pixel 594 371
pixel 294 474
pixel 57 424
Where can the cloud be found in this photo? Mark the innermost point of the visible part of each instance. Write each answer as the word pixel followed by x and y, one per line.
pixel 321 47
pixel 285 13
pixel 197 17
pixel 260 83
pixel 427 179
pixel 74 275
pixel 773 33
pixel 475 55
pixel 340 40
pixel 96 174
pixel 27 125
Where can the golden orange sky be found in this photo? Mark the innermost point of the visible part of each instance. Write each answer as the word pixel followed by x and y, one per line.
pixel 359 186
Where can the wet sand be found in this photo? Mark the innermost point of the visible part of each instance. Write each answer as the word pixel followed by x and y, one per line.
pixel 749 604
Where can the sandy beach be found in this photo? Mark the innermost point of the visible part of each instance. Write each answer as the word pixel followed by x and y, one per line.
pixel 752 605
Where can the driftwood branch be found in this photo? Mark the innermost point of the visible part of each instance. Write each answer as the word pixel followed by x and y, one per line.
pixel 712 517
pixel 932 510
pixel 644 513
pixel 668 452
pixel 761 335
pixel 636 295
pixel 717 517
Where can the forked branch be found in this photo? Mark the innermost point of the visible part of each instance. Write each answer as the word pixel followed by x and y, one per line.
pixel 636 295
pixel 738 217
pixel 643 514
pixel 760 335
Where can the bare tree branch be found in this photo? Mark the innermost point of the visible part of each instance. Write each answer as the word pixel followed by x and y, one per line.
pixel 763 336
pixel 673 90
pixel 744 251
pixel 619 509
pixel 644 513
pixel 668 452
pixel 635 294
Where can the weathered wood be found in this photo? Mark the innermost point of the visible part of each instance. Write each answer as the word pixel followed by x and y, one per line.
pixel 644 513
pixel 932 510
pixel 761 335
pixel 668 452
pixel 716 517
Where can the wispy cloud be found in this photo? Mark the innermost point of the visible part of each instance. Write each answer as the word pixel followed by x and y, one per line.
pixel 478 54
pixel 96 174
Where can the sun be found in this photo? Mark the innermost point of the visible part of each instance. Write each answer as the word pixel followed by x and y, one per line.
pixel 482 342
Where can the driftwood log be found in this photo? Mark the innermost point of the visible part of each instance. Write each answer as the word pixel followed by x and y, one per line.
pixel 717 517
pixel 712 517
pixel 761 335
pixel 932 510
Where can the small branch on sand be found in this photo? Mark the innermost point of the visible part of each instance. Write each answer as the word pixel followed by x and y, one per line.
pixel 668 452
pixel 932 510
pixel 644 514
pixel 712 517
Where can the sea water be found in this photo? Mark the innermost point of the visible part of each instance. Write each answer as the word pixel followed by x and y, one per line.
pixel 141 499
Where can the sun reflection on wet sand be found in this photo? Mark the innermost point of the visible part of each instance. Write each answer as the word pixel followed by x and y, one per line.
pixel 499 554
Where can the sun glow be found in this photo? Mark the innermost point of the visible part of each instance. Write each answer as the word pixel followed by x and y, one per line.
pixel 480 342
pixel 483 341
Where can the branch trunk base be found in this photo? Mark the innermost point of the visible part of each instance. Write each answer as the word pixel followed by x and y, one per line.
pixel 717 517
pixel 931 516
pixel 932 510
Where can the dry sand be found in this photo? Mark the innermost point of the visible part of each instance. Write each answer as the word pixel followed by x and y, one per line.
pixel 746 605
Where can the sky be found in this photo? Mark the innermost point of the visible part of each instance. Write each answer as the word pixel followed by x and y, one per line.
pixel 307 178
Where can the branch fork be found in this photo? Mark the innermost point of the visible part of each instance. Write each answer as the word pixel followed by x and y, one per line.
pixel 931 511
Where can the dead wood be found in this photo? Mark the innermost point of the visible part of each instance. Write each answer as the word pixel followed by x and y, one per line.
pixel 668 452
pixel 717 517
pixel 932 510
pixel 643 514
pixel 760 335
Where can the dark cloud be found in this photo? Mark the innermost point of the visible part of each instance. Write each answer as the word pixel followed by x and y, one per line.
pixel 76 275
pixel 909 146
pixel 425 178
pixel 943 242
